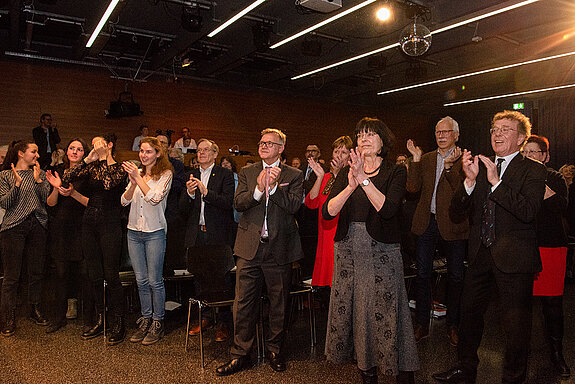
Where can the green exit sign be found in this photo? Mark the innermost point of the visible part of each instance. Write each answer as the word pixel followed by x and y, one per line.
pixel 517 106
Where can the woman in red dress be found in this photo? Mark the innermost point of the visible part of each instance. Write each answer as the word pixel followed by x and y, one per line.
pixel 323 268
pixel 552 241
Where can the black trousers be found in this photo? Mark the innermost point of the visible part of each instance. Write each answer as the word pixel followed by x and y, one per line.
pixel 250 277
pixel 102 245
pixel 25 243
pixel 515 292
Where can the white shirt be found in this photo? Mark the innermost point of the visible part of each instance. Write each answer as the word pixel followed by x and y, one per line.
pixel 205 178
pixel 180 144
pixel 258 195
pixel 147 211
pixel 506 160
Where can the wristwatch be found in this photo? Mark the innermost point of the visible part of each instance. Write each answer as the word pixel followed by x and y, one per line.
pixel 366 182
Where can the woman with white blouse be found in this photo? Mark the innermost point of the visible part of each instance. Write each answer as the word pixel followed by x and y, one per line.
pixel 146 193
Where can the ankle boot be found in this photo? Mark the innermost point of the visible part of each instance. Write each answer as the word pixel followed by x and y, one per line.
pixel 37 316
pixel 369 376
pixel 558 359
pixel 118 331
pixel 72 312
pixel 9 323
pixel 96 330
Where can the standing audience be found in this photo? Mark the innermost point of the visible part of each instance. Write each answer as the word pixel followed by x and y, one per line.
pixel 552 242
pixel 23 193
pixel 46 138
pixel 146 194
pixel 65 228
pixel 138 139
pixel 369 319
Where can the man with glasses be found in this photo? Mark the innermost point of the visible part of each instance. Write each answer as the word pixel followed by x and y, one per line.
pixel 437 175
pixel 268 195
pixel 501 197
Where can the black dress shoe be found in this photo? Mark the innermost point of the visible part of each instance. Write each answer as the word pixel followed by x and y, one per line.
pixel 454 375
pixel 55 325
pixel 37 316
pixel 118 331
pixel 277 362
pixel 96 330
pixel 233 366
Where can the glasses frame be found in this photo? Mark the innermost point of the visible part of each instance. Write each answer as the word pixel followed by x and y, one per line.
pixel 268 144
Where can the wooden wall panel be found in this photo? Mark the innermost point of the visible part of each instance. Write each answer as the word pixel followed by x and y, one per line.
pixel 77 98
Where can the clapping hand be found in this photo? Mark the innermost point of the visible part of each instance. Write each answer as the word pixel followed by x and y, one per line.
pixel 37 172
pixel 316 167
pixel 492 175
pixel 470 166
pixel 66 191
pixel 101 148
pixel 415 151
pixel 452 158
pixel 54 179
pixel 192 185
pixel 17 177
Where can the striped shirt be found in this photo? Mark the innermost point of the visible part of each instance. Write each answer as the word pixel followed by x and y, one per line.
pixel 20 202
pixel 147 211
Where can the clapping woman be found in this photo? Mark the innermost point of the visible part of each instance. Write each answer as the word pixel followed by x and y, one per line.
pixel 146 194
pixel 102 232
pixel 369 318
pixel 23 194
pixel 68 202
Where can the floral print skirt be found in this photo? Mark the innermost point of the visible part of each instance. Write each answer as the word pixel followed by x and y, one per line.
pixel 369 318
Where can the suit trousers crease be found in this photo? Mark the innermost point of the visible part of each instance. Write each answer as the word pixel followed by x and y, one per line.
pixel 250 277
pixel 515 295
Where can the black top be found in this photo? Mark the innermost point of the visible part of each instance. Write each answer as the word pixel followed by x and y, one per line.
pixel 550 230
pixel 68 208
pixel 105 183
pixel 382 225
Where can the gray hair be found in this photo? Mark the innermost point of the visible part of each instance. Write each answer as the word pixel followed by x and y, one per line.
pixel 451 121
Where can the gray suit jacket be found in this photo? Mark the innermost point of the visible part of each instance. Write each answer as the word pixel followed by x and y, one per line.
pixel 283 204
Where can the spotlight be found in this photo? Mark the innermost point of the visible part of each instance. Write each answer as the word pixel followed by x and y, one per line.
pixel 383 13
pixel 415 39
pixel 186 62
pixel 191 19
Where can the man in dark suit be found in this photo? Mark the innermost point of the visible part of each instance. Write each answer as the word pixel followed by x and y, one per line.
pixel 269 194
pixel 46 138
pixel 207 202
pixel 437 175
pixel 502 198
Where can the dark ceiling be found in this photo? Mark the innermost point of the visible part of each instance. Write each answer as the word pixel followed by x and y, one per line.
pixel 144 39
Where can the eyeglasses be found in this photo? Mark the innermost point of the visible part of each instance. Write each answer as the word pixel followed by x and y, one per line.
pixel 202 150
pixel 268 144
pixel 443 133
pixel 502 130
pixel 531 152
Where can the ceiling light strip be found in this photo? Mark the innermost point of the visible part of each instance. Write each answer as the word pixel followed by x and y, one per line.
pixel 477 73
pixel 521 4
pixel 510 95
pixel 321 24
pixel 484 16
pixel 103 21
pixel 346 61
pixel 235 18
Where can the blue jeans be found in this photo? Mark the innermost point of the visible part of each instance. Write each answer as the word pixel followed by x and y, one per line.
pixel 454 251
pixel 147 251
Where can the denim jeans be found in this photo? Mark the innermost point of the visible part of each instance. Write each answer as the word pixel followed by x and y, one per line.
pixel 454 251
pixel 147 251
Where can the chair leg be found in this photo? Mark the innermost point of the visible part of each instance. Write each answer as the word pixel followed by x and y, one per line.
pixel 201 333
pixel 105 310
pixel 188 323
pixel 310 298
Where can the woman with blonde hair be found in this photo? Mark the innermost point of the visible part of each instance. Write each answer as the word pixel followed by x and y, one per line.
pixel 146 194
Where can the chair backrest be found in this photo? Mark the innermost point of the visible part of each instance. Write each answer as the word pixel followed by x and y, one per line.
pixel 209 264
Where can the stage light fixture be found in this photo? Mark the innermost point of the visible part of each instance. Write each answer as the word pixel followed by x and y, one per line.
pixel 383 13
pixel 192 20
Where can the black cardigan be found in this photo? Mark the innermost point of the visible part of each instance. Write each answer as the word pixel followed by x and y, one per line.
pixel 383 226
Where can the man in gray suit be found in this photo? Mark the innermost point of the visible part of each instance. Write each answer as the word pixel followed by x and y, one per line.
pixel 269 194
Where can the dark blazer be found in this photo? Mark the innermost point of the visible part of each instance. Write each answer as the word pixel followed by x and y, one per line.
pixel 42 143
pixel 218 210
pixel 517 201
pixel 382 225
pixel 283 205
pixel 421 177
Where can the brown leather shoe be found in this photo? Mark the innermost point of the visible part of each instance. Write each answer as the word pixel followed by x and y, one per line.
pixel 222 333
pixel 453 335
pixel 206 324
pixel 420 332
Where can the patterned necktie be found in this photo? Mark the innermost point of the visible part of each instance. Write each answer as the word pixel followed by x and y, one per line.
pixel 267 183
pixel 488 216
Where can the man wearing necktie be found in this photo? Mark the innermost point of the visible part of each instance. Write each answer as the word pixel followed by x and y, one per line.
pixel 268 195
pixel 502 207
